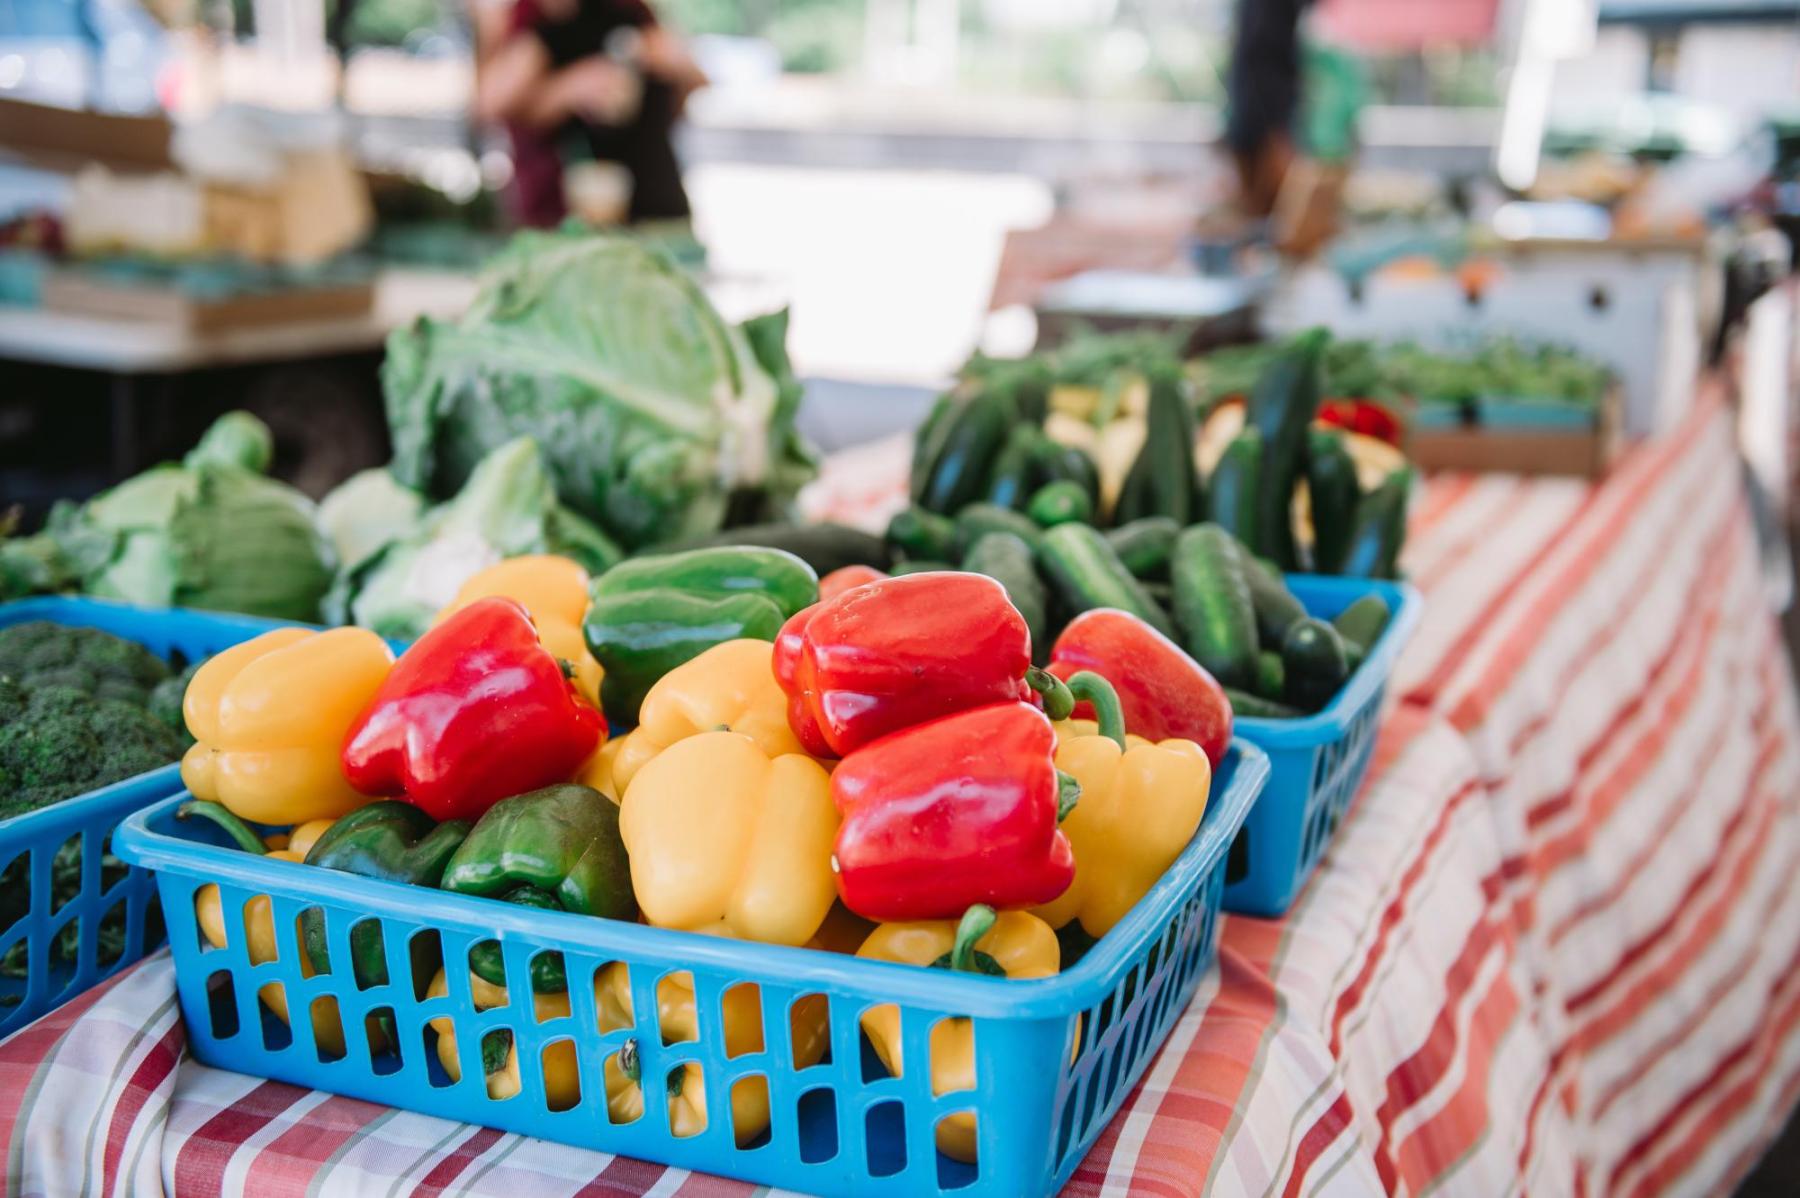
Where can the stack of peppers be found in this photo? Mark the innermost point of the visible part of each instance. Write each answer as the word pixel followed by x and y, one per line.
pixel 890 777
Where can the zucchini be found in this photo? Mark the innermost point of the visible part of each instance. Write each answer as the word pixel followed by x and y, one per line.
pixel 1276 607
pixel 978 519
pixel 824 547
pixel 1255 707
pixel 1361 623
pixel 1060 503
pixel 1331 484
pixel 1009 481
pixel 920 566
pixel 928 442
pixel 1086 574
pixel 917 533
pixel 1380 530
pixel 1162 481
pixel 1315 662
pixel 1281 407
pixel 1271 674
pixel 1008 559
pixel 1231 491
pixel 1212 604
pixel 1144 545
pixel 960 474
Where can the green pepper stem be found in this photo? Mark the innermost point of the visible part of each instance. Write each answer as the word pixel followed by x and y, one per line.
pixel 1068 793
pixel 629 1064
pixel 1091 687
pixel 227 819
pixel 977 921
pixel 1059 704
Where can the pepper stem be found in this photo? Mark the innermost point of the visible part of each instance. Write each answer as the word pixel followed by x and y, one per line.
pixel 977 921
pixel 1092 688
pixel 1059 704
pixel 227 819
pixel 1068 793
pixel 628 1059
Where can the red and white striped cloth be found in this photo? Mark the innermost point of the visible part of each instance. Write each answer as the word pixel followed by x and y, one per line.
pixel 1554 949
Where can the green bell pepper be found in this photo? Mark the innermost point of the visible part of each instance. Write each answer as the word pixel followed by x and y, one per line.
pixel 555 849
pixel 651 614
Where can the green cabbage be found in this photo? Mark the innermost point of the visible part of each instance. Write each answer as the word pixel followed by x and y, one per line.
pixel 658 418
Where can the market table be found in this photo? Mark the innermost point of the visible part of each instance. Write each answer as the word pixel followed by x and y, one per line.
pixel 1554 949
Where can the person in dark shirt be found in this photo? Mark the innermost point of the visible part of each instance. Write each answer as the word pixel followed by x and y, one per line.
pixel 606 72
pixel 1265 97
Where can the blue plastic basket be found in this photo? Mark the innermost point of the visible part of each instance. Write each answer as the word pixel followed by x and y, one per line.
pixel 178 636
pixel 1054 1057
pixel 1317 763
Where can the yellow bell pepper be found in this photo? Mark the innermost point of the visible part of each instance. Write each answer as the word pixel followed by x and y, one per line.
pixel 269 719
pixel 1014 943
pixel 677 1019
pixel 598 772
pixel 731 686
pixel 728 840
pixel 554 590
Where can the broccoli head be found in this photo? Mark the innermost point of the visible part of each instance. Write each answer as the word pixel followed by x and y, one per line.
pixel 41 654
pixel 58 741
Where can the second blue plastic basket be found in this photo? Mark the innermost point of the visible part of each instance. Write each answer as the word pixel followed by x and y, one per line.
pixel 35 838
pixel 1054 1057
pixel 1317 763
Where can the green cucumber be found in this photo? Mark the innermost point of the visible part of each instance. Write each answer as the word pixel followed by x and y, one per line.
pixel 1380 530
pixel 1163 482
pixel 921 566
pixel 1060 503
pixel 1212 604
pixel 1086 574
pixel 917 533
pixel 1255 707
pixel 1009 560
pixel 1271 674
pixel 1332 486
pixel 979 519
pixel 1276 607
pixel 824 547
pixel 1231 491
pixel 1009 480
pixel 1281 407
pixel 1056 463
pixel 1144 545
pixel 1317 666
pixel 928 442
pixel 960 474
pixel 1361 623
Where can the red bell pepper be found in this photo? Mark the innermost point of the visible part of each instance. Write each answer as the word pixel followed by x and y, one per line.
pixel 846 578
pixel 476 710
pixel 1164 692
pixel 958 811
pixel 1363 416
pixel 897 652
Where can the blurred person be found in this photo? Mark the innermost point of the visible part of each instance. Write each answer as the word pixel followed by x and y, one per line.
pixel 1264 87
pixel 602 73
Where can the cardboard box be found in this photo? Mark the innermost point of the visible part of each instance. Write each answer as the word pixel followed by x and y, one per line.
pixel 70 138
pixel 1580 452
pixel 82 295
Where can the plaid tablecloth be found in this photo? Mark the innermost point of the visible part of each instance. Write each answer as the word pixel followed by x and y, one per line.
pixel 1554 949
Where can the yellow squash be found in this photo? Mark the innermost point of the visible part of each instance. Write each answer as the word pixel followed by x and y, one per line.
pixel 1014 943
pixel 728 840
pixel 554 590
pixel 269 719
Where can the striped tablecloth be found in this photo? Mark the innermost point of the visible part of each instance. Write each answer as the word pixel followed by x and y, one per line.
pixel 1554 950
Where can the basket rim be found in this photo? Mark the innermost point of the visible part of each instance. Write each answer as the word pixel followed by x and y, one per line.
pixel 1244 771
pixel 1365 685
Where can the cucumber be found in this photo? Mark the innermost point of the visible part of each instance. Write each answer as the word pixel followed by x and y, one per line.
pixel 1316 664
pixel 1271 674
pixel 1212 604
pixel 979 519
pixel 1144 545
pixel 928 442
pixel 1162 482
pixel 824 547
pixel 917 533
pixel 1331 482
pixel 1060 503
pixel 1255 707
pixel 1009 480
pixel 1361 623
pixel 1380 530
pixel 1276 607
pixel 960 474
pixel 920 566
pixel 1281 407
pixel 1056 463
pixel 1162 592
pixel 1008 559
pixel 1231 491
pixel 1086 573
